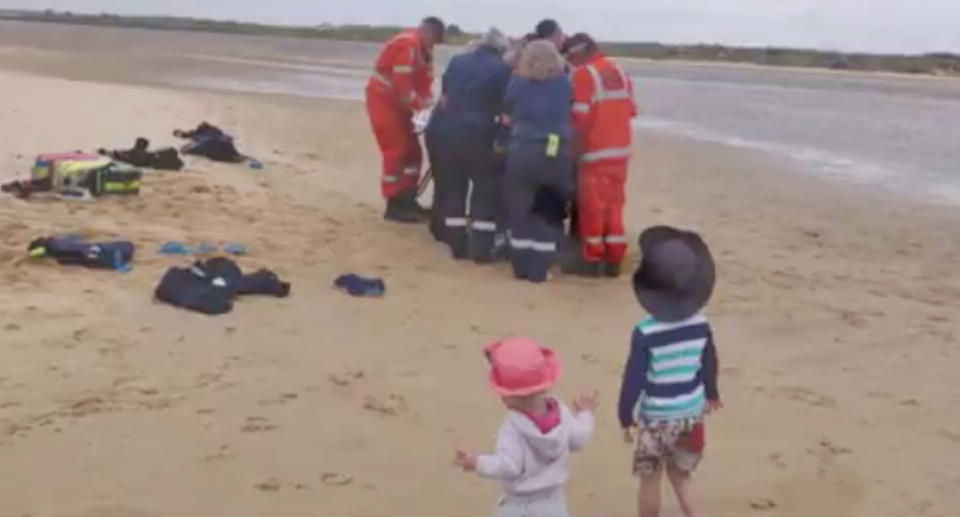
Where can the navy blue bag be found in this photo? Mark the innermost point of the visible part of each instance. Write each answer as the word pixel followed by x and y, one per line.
pixel 74 251
pixel 210 286
pixel 212 142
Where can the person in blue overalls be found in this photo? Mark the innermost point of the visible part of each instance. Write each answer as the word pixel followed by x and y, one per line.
pixel 540 156
pixel 473 88
pixel 435 138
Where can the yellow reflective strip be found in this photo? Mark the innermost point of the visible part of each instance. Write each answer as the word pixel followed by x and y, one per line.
pixel 553 145
pixel 119 185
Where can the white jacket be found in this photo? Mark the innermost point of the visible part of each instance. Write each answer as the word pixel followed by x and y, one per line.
pixel 529 461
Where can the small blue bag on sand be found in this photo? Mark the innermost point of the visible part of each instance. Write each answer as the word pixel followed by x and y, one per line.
pixel 173 248
pixel 235 248
pixel 356 285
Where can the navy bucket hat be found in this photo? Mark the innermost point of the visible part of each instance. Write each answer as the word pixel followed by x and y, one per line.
pixel 676 276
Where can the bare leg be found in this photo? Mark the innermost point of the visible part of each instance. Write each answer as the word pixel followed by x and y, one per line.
pixel 681 487
pixel 650 494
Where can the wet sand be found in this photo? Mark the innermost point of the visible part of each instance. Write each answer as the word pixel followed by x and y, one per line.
pixel 835 318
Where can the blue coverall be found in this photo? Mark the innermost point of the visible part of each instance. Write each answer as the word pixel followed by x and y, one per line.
pixel 473 88
pixel 540 155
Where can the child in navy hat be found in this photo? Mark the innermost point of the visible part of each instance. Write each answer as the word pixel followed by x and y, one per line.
pixel 670 380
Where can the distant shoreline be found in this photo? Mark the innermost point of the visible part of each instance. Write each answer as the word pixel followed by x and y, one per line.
pixel 931 64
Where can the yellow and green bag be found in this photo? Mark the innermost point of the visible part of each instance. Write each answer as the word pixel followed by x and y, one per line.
pixel 74 172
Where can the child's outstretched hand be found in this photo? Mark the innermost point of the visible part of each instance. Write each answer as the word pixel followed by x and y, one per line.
pixel 714 405
pixel 586 402
pixel 466 461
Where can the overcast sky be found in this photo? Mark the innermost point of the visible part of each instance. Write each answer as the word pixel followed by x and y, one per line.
pixel 871 25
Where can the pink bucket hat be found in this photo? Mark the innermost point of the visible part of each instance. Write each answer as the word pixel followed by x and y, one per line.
pixel 521 367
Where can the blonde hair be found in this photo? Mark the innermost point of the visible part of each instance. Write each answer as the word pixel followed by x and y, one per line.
pixel 540 61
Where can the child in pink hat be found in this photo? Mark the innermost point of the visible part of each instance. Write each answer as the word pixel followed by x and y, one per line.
pixel 538 434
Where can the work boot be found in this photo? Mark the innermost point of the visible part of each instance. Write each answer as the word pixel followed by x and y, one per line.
pixel 612 270
pixel 424 211
pixel 580 267
pixel 398 211
pixel 410 203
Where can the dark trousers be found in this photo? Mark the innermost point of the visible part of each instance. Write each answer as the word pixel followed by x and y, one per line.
pixel 435 143
pixel 534 239
pixel 469 161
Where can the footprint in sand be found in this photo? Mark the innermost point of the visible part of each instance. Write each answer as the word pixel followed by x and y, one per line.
pixel 391 407
pixel 280 400
pixel 346 379
pixel 763 504
pixel 834 450
pixel 206 379
pixel 335 479
pixel 852 318
pixel 275 485
pixel 806 396
pixel 777 459
pixel 224 453
pixel 270 485
pixel 730 370
pixel 826 452
pixel 257 424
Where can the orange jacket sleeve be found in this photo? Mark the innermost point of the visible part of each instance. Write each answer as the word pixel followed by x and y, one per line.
pixel 582 103
pixel 423 83
pixel 402 66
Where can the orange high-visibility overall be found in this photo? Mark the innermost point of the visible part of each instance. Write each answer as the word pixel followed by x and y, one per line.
pixel 602 108
pixel 401 84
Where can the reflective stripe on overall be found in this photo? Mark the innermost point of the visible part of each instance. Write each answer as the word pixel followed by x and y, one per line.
pixel 602 94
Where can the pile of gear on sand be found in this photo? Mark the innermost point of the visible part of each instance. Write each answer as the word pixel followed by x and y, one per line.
pixel 80 175
pixel 207 286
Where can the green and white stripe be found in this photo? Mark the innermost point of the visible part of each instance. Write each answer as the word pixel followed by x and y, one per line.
pixel 674 408
pixel 676 363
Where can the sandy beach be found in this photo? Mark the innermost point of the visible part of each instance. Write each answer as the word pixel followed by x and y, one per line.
pixel 836 320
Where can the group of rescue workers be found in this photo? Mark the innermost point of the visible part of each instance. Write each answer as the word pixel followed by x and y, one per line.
pixel 525 135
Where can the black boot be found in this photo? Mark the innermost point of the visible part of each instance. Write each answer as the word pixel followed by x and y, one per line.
pixel 420 209
pixel 410 204
pixel 612 270
pixel 398 211
pixel 580 267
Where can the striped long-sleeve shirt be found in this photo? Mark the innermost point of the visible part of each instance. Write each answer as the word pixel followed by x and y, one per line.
pixel 671 372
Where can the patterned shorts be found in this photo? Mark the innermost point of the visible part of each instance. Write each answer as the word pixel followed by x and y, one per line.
pixel 679 442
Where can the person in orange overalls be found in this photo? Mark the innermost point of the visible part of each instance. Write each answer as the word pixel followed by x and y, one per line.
pixel 602 109
pixel 400 86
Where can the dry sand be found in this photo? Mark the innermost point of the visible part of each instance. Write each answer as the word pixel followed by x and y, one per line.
pixel 836 319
